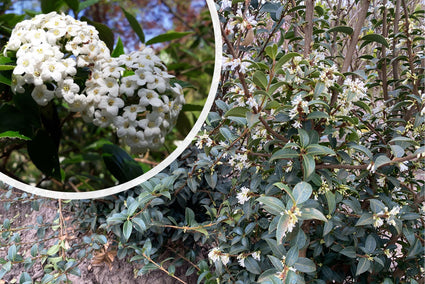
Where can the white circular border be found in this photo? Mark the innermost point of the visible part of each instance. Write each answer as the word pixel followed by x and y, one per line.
pixel 167 161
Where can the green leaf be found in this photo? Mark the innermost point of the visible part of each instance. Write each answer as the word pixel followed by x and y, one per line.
pixel 330 198
pixel 139 224
pixel 272 204
pixel 342 29
pixel 12 253
pixel 381 160
pixel 365 219
pixel 377 206
pixel 360 148
pixel 192 107
pixel 286 153
pixel 285 59
pixel 6 67
pixel 362 266
pixel 370 244
pixel 316 149
pixel 349 252
pixel 317 115
pixel 304 137
pixel 48 6
pixel 73 4
pixel 309 165
pixel 302 192
pixel 404 140
pixel 260 79
pixel 292 256
pixel 53 250
pixel 305 265
pixel 271 51
pixel 43 152
pixel 13 135
pixel 168 36
pixel 137 28
pixel 252 265
pixel 374 38
pixel 282 227
pixel 285 188
pixel 121 165
pixel 237 111
pixel 119 49
pixel 312 213
pixel 85 4
pixel 127 229
pixel 105 33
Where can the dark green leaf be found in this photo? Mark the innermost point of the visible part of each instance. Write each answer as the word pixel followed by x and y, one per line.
pixel 302 192
pixel 260 79
pixel 73 4
pixel 171 35
pixel 374 38
pixel 316 149
pixel 252 265
pixel 85 4
pixel 272 204
pixel 6 67
pixel 309 165
pixel 237 111
pixel 120 163
pixel 342 29
pixel 286 153
pixel 285 59
pixel 349 252
pixel 48 6
pixel 362 266
pixel 119 48
pixel 191 107
pixel 312 213
pixel 137 28
pixel 305 265
pixel 127 229
pixel 43 152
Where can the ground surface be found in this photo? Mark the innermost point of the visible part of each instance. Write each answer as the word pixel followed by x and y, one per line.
pixel 121 272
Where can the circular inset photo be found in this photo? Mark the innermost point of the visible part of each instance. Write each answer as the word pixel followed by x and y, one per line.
pixel 97 98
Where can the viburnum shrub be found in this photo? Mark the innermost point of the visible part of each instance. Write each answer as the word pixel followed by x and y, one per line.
pixel 310 167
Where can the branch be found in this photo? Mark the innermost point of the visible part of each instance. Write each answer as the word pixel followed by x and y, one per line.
pixel 308 34
pixel 364 5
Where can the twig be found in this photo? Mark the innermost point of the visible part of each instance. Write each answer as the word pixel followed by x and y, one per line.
pixel 162 268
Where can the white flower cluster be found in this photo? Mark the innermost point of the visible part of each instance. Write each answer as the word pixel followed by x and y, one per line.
pixel 389 216
pixel 131 92
pixel 293 215
pixel 217 255
pixel 243 196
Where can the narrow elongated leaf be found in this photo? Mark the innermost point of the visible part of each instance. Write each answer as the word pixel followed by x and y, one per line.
pixel 361 148
pixel 119 48
pixel 85 4
pixel 349 252
pixel 171 35
pixel 282 228
pixel 127 229
pixel 342 29
pixel 304 137
pixel 137 28
pixel 292 256
pixel 6 67
pixel 120 163
pixel 309 165
pixel 13 135
pixel 374 38
pixel 365 219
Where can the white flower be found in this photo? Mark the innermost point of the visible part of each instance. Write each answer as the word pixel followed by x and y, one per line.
pixel 225 259
pixel 42 95
pixel 111 104
pixel 256 255
pixel 403 166
pixel 377 221
pixel 215 254
pixel 241 259
pixel 243 195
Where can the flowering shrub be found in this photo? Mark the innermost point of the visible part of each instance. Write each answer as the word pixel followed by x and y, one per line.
pixel 55 68
pixel 310 166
